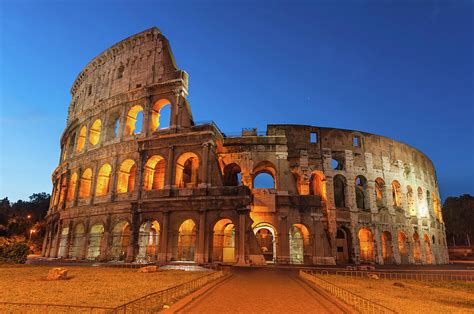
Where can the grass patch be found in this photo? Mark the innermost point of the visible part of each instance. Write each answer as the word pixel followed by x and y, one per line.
pixel 92 286
pixel 414 297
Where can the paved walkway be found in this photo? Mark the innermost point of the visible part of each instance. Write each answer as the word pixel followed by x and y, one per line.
pixel 261 290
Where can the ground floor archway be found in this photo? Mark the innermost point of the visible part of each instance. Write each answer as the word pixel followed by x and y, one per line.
pixel 63 243
pixel 428 253
pixel 120 241
pixel 299 244
pixel 403 247
pixel 223 242
pixel 387 251
pixel 148 241
pixel 343 246
pixel 77 241
pixel 416 248
pixel 266 238
pixel 95 241
pixel 185 242
pixel 366 245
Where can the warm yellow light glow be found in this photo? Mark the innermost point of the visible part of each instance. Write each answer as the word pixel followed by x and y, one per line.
pixel 130 122
pixel 366 243
pixel 72 187
pixel 81 139
pixel 85 184
pixel 154 173
pixel 103 180
pixel 187 167
pixel 126 176
pixel 396 194
pixel 155 113
pixel 94 135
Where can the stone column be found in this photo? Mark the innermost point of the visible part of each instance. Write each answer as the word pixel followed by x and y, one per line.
pixel 76 190
pixel 85 245
pixel 163 254
pixel 114 179
pixel 95 174
pixel 134 236
pixel 169 177
pixel 69 238
pixel 283 251
pixel 45 241
pixel 200 256
pixel 378 247
pixel 57 238
pixel 205 164
pixel 242 231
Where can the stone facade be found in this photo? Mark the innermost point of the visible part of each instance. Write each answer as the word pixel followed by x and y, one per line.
pixel 136 185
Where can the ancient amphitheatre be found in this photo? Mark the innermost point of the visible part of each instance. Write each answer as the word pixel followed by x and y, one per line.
pixel 140 181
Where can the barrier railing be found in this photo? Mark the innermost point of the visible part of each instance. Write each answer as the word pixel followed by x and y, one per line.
pixel 33 308
pixel 407 276
pixel 359 303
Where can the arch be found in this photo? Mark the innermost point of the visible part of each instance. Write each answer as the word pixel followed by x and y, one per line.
pixel 343 245
pixel 126 176
pixel 261 176
pixel 135 114
pixel 403 247
pixel 185 241
pixel 103 180
pixel 387 251
pixel 77 241
pixel 81 139
pixel 148 241
pixel 416 248
pixel 70 144
pixel 187 170
pixel 94 132
pixel 120 240
pixel 85 184
pixel 72 187
pixel 95 240
pixel 428 253
pixel 62 252
pixel 299 241
pixel 317 184
pixel 266 238
pixel 160 115
pixel 339 182
pixel 379 191
pixel 223 241
pixel 232 175
pixel 366 243
pixel 396 194
pixel 154 173
pixel 113 126
pixel 361 193
pixel 411 201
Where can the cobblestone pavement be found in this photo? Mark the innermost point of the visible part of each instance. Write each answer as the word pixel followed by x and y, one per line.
pixel 262 290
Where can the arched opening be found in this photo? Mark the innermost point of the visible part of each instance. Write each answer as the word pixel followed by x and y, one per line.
pixel 339 183
pixel 113 126
pixel 361 193
pixel 421 205
pixel 366 243
pixel 62 193
pixel 387 251
pixel 103 180
pixel 62 253
pixel 411 201
pixel 148 241
pixel 95 241
pixel 266 238
pixel 72 187
pixel 185 243
pixel 187 170
pixel 264 176
pixel 85 184
pixel 317 185
pixel 81 139
pixel 154 173
pixel 343 244
pixel 428 253
pixel 337 164
pixel 396 194
pixel 94 133
pixel 160 115
pixel 70 144
pixel 77 241
pixel 379 191
pixel 134 120
pixel 56 191
pixel 223 242
pixel 232 175
pixel 120 240
pixel 299 244
pixel 126 176
pixel 403 247
pixel 416 248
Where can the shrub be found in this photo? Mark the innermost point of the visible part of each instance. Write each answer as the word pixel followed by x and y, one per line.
pixel 15 253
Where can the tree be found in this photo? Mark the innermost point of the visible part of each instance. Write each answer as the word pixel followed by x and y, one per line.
pixel 458 214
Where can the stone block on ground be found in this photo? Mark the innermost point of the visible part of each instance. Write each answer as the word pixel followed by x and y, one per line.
pixel 148 269
pixel 57 273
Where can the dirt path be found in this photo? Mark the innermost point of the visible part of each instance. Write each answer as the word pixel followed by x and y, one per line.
pixel 261 290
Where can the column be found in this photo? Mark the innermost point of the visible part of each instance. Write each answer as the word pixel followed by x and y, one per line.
pixel 378 247
pixel 283 251
pixel 205 164
pixel 169 181
pixel 199 257
pixel 242 228
pixel 163 255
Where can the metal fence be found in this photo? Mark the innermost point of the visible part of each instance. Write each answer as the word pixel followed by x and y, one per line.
pixel 407 276
pixel 360 303
pixel 9 307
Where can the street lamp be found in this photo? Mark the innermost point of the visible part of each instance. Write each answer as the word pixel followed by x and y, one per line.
pixel 31 232
pixel 29 216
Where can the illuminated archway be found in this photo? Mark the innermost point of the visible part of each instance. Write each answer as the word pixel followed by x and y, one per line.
pixel 223 242
pixel 416 248
pixel 403 247
pixel 103 180
pixel 366 243
pixel 264 176
pixel 187 170
pixel 160 115
pixel 361 193
pixel 299 244
pixel 135 114
pixel 154 173
pixel 148 241
pixel 63 243
pixel 379 191
pixel 387 251
pixel 317 185
pixel 120 240
pixel 428 253
pixel 185 242
pixel 81 139
pixel 266 238
pixel 339 183
pixel 396 194
pixel 94 133
pixel 77 241
pixel 85 184
pixel 232 175
pixel 126 176
pixel 72 187
pixel 95 240
pixel 343 245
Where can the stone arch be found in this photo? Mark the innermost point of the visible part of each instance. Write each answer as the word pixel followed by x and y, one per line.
pixel 299 242
pixel 154 173
pixel 266 237
pixel 158 115
pixel 120 240
pixel 403 247
pixel 94 132
pixel 85 184
pixel 416 247
pixel 95 241
pixel 184 242
pixel 72 187
pixel 187 170
pixel 126 176
pixel 361 193
pixel 387 251
pixel 77 241
pixel 232 175
pixel 396 194
pixel 133 116
pixel 148 241
pixel 366 245
pixel 428 252
pixel 113 126
pixel 81 139
pixel 339 182
pixel 343 245
pixel 317 184
pixel 63 252
pixel 262 169
pixel 379 192
pixel 223 241
pixel 103 180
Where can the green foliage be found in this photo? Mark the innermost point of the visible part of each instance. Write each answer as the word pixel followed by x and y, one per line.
pixel 458 215
pixel 15 253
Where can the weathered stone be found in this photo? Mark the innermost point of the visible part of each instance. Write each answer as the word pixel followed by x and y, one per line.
pixel 57 274
pixel 373 276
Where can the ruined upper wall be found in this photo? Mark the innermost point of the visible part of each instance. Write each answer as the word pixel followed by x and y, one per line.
pixel 141 60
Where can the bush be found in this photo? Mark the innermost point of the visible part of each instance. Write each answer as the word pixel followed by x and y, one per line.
pixel 15 253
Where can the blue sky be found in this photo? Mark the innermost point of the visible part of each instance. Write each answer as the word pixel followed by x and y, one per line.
pixel 402 69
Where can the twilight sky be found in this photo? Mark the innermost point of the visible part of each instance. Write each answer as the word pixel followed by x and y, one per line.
pixel 402 69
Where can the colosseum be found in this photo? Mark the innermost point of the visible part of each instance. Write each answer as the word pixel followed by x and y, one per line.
pixel 139 181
